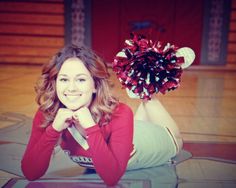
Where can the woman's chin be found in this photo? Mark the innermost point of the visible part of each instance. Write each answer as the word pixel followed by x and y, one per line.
pixel 76 105
pixel 73 108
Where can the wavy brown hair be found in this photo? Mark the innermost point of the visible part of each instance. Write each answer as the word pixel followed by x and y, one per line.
pixel 103 102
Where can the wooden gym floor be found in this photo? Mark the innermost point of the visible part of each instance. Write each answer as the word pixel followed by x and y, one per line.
pixel 204 107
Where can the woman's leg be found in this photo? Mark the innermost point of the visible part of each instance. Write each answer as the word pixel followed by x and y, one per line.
pixel 140 113
pixel 153 111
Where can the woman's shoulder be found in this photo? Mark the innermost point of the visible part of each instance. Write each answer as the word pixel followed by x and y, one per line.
pixel 38 118
pixel 122 117
pixel 39 114
pixel 122 107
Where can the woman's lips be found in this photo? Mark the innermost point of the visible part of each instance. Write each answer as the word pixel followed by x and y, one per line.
pixel 73 97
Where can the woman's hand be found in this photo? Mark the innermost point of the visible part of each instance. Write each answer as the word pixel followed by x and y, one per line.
pixel 84 117
pixel 62 118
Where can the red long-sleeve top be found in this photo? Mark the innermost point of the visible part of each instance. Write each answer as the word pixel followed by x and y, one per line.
pixel 109 147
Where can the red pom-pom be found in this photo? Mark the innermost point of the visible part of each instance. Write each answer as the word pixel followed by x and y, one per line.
pixel 146 68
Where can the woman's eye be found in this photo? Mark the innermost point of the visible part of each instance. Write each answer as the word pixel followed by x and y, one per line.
pixel 63 79
pixel 81 80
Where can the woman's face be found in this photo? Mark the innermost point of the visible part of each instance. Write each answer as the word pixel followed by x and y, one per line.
pixel 74 85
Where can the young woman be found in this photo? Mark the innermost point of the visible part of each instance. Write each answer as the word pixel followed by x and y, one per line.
pixel 77 111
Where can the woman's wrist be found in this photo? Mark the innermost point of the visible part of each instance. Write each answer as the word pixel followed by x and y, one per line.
pixel 91 130
pixel 89 124
pixel 52 131
pixel 56 128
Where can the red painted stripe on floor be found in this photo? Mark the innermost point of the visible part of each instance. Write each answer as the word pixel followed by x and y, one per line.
pixel 217 150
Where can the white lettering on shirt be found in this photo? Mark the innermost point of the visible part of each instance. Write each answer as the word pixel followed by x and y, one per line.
pixel 81 160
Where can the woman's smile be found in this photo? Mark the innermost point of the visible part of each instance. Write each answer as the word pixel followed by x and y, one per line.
pixel 73 97
pixel 74 84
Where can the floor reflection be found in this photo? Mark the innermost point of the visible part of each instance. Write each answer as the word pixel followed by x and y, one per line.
pixel 162 176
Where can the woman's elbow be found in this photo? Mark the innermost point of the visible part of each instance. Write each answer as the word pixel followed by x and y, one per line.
pixel 29 173
pixel 112 181
pixel 30 177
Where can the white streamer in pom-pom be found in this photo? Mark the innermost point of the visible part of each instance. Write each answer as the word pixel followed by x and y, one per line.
pixel 131 94
pixel 121 54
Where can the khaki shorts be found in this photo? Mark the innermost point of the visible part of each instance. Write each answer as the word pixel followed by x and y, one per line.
pixel 153 146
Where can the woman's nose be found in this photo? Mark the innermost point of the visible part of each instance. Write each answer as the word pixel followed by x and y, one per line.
pixel 72 86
